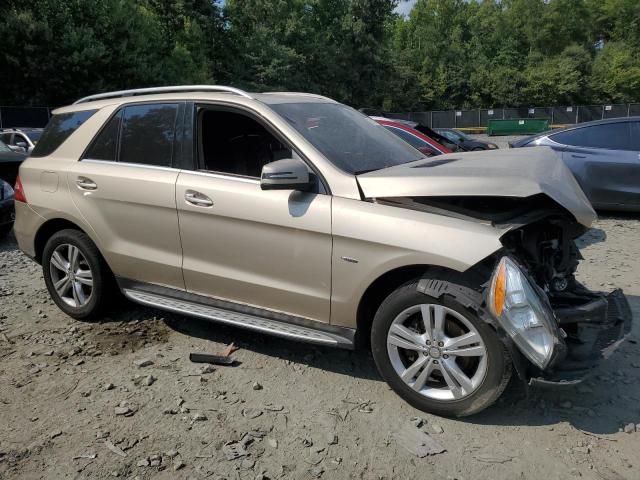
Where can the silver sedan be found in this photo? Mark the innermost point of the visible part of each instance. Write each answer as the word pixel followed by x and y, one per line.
pixel 604 156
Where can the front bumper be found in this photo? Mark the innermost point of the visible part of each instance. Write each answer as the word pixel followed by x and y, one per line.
pixel 594 331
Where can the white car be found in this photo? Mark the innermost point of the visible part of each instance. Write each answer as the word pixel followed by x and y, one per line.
pixel 20 140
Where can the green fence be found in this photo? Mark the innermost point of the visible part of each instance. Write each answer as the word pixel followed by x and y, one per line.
pixel 517 126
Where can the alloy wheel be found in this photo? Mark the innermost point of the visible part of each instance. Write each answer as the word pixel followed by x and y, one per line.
pixel 71 275
pixel 437 352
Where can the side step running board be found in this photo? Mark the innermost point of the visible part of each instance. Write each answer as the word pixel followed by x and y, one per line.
pixel 242 320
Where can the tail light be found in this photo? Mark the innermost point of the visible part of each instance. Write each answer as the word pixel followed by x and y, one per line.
pixel 19 192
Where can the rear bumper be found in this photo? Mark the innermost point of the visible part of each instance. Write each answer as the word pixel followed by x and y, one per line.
pixel 25 228
pixel 594 331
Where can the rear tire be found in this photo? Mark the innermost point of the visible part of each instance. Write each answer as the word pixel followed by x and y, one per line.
pixel 77 277
pixel 462 370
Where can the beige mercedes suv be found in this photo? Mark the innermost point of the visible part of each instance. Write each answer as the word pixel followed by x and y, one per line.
pixel 294 215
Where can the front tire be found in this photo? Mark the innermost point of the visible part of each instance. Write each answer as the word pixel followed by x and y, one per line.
pixel 77 277
pixel 437 354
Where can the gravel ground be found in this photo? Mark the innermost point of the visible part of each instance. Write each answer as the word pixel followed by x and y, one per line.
pixel 120 398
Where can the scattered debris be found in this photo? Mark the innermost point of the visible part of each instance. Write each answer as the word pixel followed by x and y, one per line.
pixel 214 359
pixel 89 456
pixel 199 417
pixel 229 349
pixel 251 412
pixel 149 380
pixel 256 386
pixel 178 464
pixel 55 433
pixel 436 428
pixel 417 442
pixel 234 450
pixel 629 428
pixel 114 449
pixel 143 362
pixel 492 458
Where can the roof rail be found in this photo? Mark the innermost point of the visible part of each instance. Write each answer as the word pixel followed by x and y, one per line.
pixel 299 93
pixel 173 89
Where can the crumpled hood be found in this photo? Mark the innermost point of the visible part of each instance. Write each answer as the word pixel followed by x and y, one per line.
pixel 519 172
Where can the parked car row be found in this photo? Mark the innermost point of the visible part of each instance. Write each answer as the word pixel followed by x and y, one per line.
pixel 294 215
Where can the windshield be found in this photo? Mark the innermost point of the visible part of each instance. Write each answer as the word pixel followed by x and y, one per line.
pixel 3 147
pixel 350 140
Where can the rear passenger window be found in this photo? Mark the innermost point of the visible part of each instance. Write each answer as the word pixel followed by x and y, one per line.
pixel 610 136
pixel 59 128
pixel 147 134
pixel 105 146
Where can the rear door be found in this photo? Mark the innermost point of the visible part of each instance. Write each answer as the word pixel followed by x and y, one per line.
pixel 124 186
pixel 605 162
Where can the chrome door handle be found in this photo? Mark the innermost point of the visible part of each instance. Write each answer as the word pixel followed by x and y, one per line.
pixel 85 183
pixel 578 156
pixel 198 199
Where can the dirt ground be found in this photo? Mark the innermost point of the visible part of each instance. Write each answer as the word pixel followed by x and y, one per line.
pixel 74 402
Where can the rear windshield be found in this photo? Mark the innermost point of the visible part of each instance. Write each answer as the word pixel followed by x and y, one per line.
pixel 59 128
pixel 350 140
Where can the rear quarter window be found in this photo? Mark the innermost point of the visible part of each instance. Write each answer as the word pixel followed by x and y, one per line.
pixel 610 136
pixel 59 128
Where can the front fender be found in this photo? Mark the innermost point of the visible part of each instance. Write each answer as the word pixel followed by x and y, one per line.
pixel 371 239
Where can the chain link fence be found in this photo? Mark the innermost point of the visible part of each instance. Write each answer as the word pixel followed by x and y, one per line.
pixel 560 115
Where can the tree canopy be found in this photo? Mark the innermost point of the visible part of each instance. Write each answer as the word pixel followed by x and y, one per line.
pixel 444 54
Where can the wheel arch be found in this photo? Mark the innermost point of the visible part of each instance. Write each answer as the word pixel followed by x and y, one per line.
pixel 48 229
pixel 389 281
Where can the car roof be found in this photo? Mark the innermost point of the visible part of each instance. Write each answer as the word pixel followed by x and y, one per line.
pixel 189 93
pixel 594 123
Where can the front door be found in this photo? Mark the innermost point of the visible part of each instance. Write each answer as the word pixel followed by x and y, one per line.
pixel 264 249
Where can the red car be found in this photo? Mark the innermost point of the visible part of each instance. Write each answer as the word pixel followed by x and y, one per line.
pixel 417 140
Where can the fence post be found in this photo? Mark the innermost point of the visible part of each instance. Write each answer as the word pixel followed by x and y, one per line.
pixel 0 117
pixel 628 110
pixel 577 116
pixel 552 108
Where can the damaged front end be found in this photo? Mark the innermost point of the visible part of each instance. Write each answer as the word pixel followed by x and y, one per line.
pixel 562 328
pixel 556 329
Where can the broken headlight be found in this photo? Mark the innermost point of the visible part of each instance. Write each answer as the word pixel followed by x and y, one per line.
pixel 521 312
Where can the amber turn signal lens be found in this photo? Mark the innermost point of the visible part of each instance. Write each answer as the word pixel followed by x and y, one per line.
pixel 499 290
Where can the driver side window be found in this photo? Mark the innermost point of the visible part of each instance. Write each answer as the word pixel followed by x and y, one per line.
pixel 233 143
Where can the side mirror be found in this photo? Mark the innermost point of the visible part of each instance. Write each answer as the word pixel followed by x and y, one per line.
pixel 286 174
pixel 22 145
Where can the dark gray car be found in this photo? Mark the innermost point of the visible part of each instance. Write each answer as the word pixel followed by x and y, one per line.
pixel 604 156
